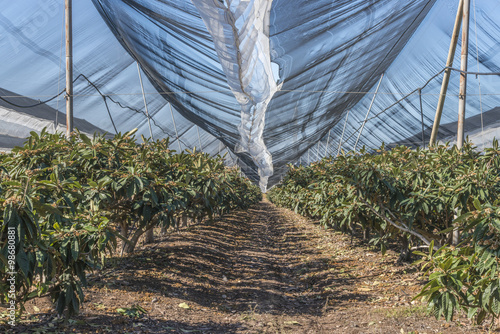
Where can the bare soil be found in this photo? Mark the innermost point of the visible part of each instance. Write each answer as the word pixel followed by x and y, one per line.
pixel 263 270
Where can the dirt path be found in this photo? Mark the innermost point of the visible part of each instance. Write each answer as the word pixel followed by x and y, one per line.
pixel 264 270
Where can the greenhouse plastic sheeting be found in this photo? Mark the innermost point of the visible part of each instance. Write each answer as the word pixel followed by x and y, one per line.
pixel 269 82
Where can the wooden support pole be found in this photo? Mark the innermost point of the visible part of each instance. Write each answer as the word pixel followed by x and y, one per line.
pixel 368 112
pixel 447 72
pixel 463 74
pixel 69 67
pixel 145 103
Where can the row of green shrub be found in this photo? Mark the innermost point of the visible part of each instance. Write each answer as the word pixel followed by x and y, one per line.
pixel 69 200
pixel 440 198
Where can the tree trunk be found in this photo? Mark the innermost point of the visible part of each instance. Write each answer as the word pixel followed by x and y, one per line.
pixel 150 236
pixel 366 234
pixel 405 255
pixel 177 223
pixel 129 247
pixel 124 234
pixel 164 229
pixel 124 229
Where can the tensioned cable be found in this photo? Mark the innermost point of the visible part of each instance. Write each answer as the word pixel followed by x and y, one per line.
pixel 33 105
pixel 297 90
pixel 185 92
pixel 404 97
pixel 474 73
pixel 396 103
pixel 103 96
pixel 100 94
pixel 283 90
pixel 427 82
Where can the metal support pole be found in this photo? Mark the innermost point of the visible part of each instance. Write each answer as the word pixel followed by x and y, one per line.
pixel 368 112
pixel 319 157
pixel 463 75
pixel 109 113
pixel 199 139
pixel 308 157
pixel 447 72
pixel 145 103
pixel 175 128
pixel 343 130
pixel 327 142
pixel 69 68
pixel 422 117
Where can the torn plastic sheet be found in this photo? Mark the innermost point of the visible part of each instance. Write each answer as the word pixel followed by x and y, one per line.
pixel 240 31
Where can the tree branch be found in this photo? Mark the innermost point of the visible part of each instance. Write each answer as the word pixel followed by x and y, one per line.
pixel 401 227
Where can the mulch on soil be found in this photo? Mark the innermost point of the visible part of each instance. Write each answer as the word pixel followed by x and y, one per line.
pixel 263 270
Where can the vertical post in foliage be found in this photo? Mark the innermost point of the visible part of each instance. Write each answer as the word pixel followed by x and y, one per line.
pixel 447 72
pixel 462 92
pixel 463 74
pixel 69 67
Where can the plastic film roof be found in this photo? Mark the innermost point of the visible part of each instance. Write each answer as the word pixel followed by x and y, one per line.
pixel 269 82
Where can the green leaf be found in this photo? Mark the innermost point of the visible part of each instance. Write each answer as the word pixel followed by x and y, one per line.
pixel 69 295
pixel 481 316
pixel 60 303
pixel 22 262
pixel 75 249
pixel 477 204
pixel 85 139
